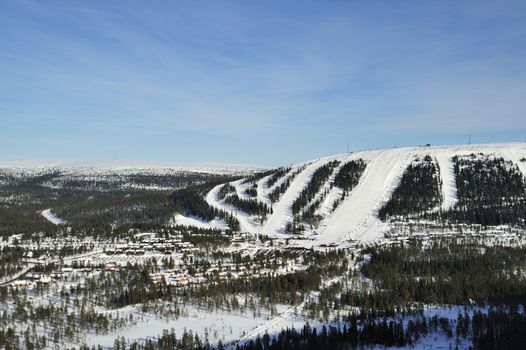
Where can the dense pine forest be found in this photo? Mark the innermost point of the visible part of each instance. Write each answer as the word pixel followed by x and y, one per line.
pixel 491 191
pixel 90 203
pixel 349 174
pixel 443 273
pixel 250 206
pixel 419 190
pixel 103 212
pixel 500 328
pixel 23 218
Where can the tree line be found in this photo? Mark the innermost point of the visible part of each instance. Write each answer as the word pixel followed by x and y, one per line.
pixel 491 191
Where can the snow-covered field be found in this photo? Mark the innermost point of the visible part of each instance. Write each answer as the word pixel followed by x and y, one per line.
pixel 356 217
pixel 218 325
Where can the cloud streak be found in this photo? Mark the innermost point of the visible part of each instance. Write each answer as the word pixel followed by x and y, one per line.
pixel 250 82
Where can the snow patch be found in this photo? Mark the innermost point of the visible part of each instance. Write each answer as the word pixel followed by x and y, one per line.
pixel 48 215
pixel 198 222
pixel 447 175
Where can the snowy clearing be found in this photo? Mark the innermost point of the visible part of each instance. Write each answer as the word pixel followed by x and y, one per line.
pixel 449 187
pixel 197 222
pixel 52 217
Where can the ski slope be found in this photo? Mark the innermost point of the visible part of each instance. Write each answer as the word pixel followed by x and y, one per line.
pixel 282 210
pixel 356 217
pixel 334 192
pixel 263 190
pixel 516 154
pixel 198 222
pixel 246 222
pixel 51 217
pixel 449 187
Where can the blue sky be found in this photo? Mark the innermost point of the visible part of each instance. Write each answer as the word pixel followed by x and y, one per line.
pixel 259 82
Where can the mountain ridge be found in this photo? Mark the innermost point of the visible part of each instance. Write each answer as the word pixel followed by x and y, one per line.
pixel 356 217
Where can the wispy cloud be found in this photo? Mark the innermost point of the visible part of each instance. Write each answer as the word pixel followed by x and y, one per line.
pixel 234 81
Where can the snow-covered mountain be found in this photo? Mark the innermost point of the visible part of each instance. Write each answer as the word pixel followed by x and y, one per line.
pixel 355 215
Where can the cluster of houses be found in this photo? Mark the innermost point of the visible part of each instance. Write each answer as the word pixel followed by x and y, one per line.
pixel 57 243
pixel 240 237
pixel 149 243
pixel 179 276
pixel 32 278
pixel 426 232
pixel 216 271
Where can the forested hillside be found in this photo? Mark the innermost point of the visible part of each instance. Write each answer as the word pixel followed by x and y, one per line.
pixel 491 191
pixel 91 200
pixel 419 190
